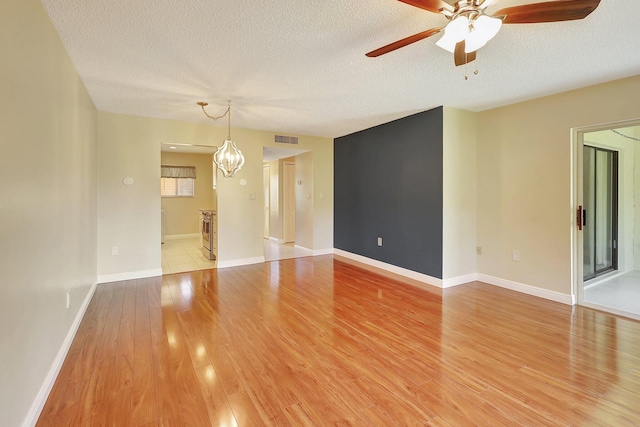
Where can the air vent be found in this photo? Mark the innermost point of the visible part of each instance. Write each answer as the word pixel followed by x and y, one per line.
pixel 286 139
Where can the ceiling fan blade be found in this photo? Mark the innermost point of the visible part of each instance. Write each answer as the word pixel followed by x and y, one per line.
pixel 435 6
pixel 487 3
pixel 404 42
pixel 460 57
pixel 550 11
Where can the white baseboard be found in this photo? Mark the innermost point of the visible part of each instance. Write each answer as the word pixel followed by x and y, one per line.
pixel 302 248
pixel 527 289
pixel 318 252
pixel 43 394
pixel 239 262
pixel 181 236
pixel 429 280
pixel 455 281
pixel 274 239
pixel 459 280
pixel 131 275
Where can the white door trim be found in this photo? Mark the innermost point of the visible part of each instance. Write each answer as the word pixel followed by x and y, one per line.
pixel 577 143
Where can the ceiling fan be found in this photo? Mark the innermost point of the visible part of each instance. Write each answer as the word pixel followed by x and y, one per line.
pixel 470 27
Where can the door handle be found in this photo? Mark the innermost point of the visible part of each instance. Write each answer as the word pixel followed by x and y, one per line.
pixel 579 217
pixel 584 217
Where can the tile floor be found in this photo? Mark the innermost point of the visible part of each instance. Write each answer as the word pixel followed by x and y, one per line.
pixel 185 254
pixel 274 251
pixel 620 293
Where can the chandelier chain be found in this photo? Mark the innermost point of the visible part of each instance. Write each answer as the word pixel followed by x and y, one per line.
pixel 226 113
pixel 625 136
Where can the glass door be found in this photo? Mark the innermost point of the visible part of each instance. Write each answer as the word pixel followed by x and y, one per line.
pixel 600 211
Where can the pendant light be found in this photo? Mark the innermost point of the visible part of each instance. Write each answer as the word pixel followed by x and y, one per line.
pixel 227 158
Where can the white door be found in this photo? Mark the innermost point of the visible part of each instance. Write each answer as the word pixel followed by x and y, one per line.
pixel 289 202
pixel 265 183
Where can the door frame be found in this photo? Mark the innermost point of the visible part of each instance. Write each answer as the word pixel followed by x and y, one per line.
pixel 577 144
pixel 288 183
pixel 266 200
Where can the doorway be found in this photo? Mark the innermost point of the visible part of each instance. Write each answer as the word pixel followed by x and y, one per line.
pixel 181 212
pixel 606 217
pixel 288 203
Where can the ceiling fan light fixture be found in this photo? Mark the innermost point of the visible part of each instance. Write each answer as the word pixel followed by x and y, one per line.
pixel 481 30
pixel 454 32
pixel 458 28
pixel 446 43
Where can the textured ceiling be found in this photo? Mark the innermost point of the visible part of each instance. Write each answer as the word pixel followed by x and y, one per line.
pixel 299 67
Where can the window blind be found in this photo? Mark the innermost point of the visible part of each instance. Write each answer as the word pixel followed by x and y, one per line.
pixel 167 171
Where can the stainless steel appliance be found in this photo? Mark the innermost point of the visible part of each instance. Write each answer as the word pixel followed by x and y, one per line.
pixel 209 234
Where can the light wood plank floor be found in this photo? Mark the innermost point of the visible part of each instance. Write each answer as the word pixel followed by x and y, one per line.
pixel 316 341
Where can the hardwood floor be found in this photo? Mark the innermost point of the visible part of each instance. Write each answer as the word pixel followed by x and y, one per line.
pixel 316 341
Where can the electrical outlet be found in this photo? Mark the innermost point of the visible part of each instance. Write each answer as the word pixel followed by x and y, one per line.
pixel 379 241
pixel 114 250
pixel 515 255
pixel 479 250
pixel 68 300
pixel 252 196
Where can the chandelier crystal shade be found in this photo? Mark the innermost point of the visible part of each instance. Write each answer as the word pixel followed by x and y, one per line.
pixel 228 158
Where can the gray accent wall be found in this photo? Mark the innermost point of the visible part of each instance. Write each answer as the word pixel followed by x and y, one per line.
pixel 388 183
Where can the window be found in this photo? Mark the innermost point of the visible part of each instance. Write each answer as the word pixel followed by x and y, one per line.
pixel 177 181
pixel 177 187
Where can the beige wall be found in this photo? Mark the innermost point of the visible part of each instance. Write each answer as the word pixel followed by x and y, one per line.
pixel 626 203
pixel 459 197
pixel 48 208
pixel 129 216
pixel 524 180
pixel 636 195
pixel 322 192
pixel 182 214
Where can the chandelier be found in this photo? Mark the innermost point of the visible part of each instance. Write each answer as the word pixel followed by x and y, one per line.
pixel 227 157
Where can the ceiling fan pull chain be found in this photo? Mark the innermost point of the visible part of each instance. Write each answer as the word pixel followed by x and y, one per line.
pixel 466 76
